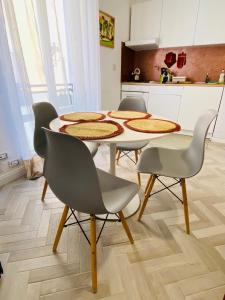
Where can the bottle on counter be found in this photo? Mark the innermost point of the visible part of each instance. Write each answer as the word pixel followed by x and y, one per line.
pixel 222 76
pixel 207 78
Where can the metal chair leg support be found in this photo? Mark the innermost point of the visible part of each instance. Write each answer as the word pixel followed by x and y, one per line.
pixel 60 228
pixel 126 153
pixel 44 190
pixel 93 253
pixel 148 192
pixel 185 204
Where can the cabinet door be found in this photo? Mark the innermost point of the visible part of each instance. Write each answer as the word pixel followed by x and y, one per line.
pixel 178 23
pixel 195 101
pixel 164 105
pixel 220 123
pixel 211 23
pixel 145 20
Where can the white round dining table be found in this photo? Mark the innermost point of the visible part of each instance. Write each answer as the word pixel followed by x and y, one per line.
pixel 128 136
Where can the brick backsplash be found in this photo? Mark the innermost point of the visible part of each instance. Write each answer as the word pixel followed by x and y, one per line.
pixel 200 60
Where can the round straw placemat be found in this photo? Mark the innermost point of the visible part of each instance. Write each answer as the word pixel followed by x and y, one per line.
pixel 152 125
pixel 93 130
pixel 82 116
pixel 128 115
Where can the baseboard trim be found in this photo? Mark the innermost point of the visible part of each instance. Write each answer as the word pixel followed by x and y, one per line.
pixel 218 140
pixel 12 175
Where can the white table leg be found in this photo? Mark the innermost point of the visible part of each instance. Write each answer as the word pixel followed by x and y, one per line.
pixel 112 159
pixel 134 204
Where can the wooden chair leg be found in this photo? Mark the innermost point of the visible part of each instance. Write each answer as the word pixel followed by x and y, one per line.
pixel 44 190
pixel 147 194
pixel 147 185
pixel 139 178
pixel 136 156
pixel 126 227
pixel 118 153
pixel 138 174
pixel 93 254
pixel 185 204
pixel 60 228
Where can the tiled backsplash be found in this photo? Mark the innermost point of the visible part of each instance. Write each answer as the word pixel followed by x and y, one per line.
pixel 200 60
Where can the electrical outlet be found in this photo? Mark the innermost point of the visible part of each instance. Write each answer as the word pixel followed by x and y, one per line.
pixel 3 156
pixel 13 163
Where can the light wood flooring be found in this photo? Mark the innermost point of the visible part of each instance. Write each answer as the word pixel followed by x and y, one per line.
pixel 164 262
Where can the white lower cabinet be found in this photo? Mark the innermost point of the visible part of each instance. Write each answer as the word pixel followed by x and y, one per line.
pixel 165 101
pixel 184 104
pixel 195 101
pixel 165 106
pixel 220 123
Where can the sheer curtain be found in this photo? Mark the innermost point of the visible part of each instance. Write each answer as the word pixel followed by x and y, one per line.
pixel 49 52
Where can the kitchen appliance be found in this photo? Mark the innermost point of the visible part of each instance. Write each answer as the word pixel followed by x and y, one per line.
pixel 222 76
pixel 136 73
pixel 165 75
pixel 141 45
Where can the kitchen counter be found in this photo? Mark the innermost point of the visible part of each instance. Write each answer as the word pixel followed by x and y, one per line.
pixel 173 84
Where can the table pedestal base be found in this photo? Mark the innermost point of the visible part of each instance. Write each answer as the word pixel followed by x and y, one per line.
pixel 128 211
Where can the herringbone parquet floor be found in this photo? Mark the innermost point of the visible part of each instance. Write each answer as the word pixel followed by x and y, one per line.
pixel 164 263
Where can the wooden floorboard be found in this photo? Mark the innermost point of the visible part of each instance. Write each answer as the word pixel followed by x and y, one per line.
pixel 164 262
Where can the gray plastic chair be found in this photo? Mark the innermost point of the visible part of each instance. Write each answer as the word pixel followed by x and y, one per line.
pixel 74 179
pixel 176 163
pixel 132 104
pixel 44 113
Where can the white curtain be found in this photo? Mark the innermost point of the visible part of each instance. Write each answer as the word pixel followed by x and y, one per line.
pixel 49 52
pixel 83 50
pixel 10 94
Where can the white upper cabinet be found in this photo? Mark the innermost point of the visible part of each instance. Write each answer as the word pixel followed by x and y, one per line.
pixel 210 27
pixel 178 22
pixel 145 20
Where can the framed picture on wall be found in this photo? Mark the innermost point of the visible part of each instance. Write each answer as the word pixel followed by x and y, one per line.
pixel 106 29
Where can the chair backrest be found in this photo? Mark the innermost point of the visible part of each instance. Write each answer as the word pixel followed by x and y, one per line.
pixel 195 151
pixel 44 113
pixel 133 104
pixel 71 173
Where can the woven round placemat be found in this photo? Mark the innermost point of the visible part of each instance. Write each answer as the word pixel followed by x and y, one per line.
pixel 152 125
pixel 128 115
pixel 93 130
pixel 82 116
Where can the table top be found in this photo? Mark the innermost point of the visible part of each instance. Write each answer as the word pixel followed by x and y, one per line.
pixel 128 136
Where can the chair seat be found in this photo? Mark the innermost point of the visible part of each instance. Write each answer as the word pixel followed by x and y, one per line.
pixel 92 147
pixel 116 192
pixel 132 146
pixel 166 162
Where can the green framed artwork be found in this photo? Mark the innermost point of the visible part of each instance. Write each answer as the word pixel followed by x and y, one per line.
pixel 106 29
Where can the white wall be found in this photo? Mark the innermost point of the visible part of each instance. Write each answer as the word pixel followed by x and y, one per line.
pixel 111 58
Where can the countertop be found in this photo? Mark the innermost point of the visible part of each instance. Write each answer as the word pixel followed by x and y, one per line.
pixel 173 84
